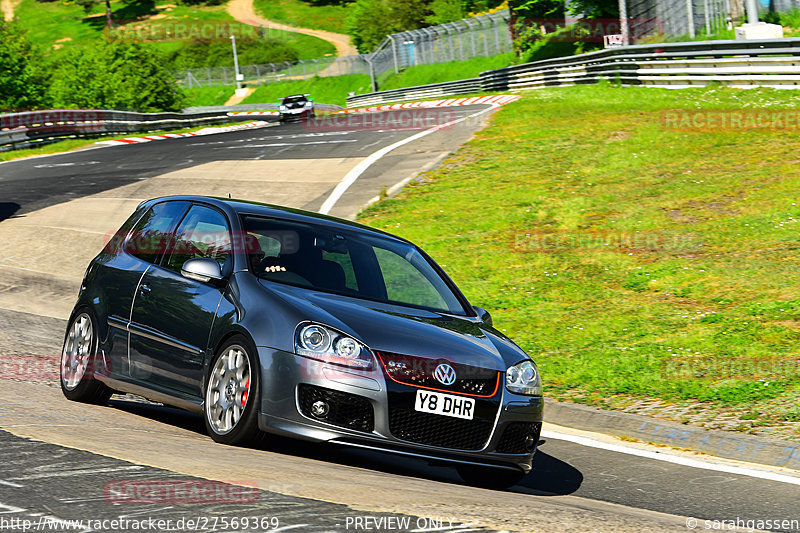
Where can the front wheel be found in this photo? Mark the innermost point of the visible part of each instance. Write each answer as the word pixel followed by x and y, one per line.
pixel 232 392
pixel 78 361
pixel 489 478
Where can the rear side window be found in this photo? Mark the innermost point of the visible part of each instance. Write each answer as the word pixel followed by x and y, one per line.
pixel 202 233
pixel 152 233
pixel 405 282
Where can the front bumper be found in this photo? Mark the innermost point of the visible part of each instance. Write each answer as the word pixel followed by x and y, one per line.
pixel 283 374
pixel 296 114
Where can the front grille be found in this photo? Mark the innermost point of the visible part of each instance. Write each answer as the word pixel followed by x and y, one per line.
pixel 418 372
pixel 520 437
pixel 437 430
pixel 345 410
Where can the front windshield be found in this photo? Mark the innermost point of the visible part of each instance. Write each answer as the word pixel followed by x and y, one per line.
pixel 341 262
pixel 294 99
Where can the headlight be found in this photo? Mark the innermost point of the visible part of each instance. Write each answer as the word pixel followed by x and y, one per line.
pixel 326 344
pixel 523 378
pixel 281 107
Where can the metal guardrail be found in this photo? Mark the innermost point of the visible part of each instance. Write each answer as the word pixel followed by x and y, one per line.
pixel 32 126
pixel 433 90
pixel 767 63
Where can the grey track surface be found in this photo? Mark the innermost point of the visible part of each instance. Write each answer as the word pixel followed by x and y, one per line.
pixel 560 469
pixel 35 183
pixel 44 483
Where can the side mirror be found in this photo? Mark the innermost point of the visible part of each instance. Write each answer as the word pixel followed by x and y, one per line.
pixel 202 269
pixel 483 314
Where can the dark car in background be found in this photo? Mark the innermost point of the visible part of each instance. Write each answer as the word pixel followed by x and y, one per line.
pixel 269 320
pixel 296 108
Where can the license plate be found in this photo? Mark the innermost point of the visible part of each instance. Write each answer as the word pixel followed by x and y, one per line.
pixel 444 404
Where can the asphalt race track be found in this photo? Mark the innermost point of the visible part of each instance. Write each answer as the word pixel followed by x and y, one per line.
pixel 62 460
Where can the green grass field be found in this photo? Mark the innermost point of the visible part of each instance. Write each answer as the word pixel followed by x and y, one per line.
pixel 332 90
pixel 303 14
pixel 632 253
pixel 206 96
pixel 55 26
pixel 441 72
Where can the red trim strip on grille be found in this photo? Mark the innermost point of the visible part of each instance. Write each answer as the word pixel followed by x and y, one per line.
pixel 386 370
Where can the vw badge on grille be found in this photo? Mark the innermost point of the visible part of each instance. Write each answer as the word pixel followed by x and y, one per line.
pixel 445 374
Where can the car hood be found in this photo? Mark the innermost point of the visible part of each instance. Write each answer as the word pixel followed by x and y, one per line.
pixel 404 330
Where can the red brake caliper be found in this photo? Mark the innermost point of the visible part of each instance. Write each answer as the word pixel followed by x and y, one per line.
pixel 244 395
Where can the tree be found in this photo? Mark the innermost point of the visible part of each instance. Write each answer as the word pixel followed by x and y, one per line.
pixel 22 80
pixel 370 21
pixel 595 9
pixel 116 75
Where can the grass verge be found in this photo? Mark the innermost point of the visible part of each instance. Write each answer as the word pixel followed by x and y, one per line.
pixel 304 14
pixel 635 257
pixel 207 96
pixel 442 72
pixel 55 25
pixel 332 90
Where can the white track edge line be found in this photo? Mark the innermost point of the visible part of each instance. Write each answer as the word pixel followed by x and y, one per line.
pixel 360 168
pixel 669 458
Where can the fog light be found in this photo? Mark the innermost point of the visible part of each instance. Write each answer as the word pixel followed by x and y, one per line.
pixel 320 409
pixel 530 443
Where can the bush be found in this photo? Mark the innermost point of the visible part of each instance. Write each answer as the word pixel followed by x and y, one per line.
pixel 22 81
pixel 560 43
pixel 117 75
pixel 198 54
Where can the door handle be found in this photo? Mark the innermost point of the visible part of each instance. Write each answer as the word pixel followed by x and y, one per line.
pixel 144 289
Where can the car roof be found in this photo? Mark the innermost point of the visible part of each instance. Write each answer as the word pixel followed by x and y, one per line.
pixel 249 207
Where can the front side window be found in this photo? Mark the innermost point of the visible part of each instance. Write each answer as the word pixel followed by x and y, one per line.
pixel 346 262
pixel 203 232
pixel 152 233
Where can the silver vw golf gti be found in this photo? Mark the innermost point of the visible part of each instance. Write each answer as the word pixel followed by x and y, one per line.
pixel 270 320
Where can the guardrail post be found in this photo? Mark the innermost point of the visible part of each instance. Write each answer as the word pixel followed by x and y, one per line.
pixel 690 17
pixel 623 22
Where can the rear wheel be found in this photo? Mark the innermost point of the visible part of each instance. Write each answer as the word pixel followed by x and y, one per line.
pixel 232 392
pixel 78 361
pixel 489 478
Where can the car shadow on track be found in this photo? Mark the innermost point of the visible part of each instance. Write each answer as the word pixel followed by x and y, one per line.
pixel 7 210
pixel 550 477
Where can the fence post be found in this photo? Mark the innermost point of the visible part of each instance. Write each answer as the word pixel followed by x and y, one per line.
pixel 471 37
pixel 497 33
pixel 394 53
pixel 208 71
pixel 460 43
pixel 690 17
pixel 485 38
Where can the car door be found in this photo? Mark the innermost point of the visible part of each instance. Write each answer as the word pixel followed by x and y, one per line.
pixel 172 315
pixel 120 273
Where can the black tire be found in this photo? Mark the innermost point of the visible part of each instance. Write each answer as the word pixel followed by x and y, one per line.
pixel 244 429
pixel 489 478
pixel 79 360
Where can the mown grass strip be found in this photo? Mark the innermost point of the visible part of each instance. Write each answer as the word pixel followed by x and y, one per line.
pixel 639 243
